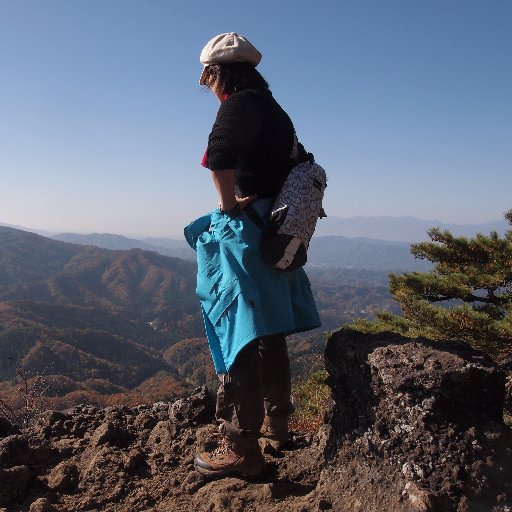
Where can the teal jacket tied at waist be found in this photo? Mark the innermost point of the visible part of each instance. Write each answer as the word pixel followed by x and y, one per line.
pixel 242 298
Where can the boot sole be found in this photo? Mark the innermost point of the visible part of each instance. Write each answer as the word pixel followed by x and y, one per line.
pixel 273 443
pixel 203 468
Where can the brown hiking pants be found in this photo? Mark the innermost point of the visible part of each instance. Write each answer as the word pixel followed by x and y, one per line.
pixel 258 383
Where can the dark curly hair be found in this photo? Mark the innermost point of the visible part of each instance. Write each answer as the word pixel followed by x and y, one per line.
pixel 234 77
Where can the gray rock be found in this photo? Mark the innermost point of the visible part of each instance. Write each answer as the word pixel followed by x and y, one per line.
pixel 420 412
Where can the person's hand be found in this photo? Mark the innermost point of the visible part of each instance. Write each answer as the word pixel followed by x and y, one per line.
pixel 241 202
pixel 244 201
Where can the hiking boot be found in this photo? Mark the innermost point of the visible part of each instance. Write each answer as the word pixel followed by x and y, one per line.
pixel 242 457
pixel 274 432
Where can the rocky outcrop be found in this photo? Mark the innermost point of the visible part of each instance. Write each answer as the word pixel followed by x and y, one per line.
pixel 417 425
pixel 414 426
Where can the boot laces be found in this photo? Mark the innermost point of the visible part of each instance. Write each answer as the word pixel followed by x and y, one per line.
pixel 222 448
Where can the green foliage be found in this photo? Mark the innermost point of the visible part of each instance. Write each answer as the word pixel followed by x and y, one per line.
pixel 467 295
pixel 311 397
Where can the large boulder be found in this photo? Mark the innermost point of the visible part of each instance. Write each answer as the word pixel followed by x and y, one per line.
pixel 416 425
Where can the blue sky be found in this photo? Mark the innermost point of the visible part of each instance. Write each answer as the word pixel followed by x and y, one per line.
pixel 406 103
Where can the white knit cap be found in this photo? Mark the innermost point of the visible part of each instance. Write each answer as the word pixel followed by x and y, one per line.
pixel 225 48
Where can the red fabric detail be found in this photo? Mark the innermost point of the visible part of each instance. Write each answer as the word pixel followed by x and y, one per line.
pixel 204 160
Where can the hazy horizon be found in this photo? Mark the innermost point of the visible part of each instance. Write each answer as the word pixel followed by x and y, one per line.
pixel 179 235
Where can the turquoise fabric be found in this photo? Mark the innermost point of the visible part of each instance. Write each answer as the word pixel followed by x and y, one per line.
pixel 242 298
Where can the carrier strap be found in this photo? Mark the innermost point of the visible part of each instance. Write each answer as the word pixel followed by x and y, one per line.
pixel 253 215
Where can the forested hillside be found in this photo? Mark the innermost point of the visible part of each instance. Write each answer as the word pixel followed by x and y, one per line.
pixel 79 316
pixel 97 322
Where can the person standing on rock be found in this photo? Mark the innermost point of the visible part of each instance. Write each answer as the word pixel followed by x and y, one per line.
pixel 248 307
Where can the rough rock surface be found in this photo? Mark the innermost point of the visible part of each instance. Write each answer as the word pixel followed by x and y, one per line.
pixel 415 426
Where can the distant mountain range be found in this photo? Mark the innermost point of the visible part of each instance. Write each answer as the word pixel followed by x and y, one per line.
pixel 395 229
pixel 84 313
pixel 135 283
pixel 371 243
pixel 30 230
pixel 329 251
pixel 399 229
pixel 110 314
pixel 363 253
pixel 105 321
pixel 164 246
pixel 48 285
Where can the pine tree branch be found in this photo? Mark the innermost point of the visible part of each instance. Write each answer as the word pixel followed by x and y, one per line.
pixel 497 301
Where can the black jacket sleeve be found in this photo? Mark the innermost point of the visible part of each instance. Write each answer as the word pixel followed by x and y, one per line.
pixel 235 130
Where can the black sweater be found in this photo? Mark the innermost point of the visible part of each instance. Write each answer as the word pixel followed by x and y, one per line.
pixel 253 135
